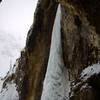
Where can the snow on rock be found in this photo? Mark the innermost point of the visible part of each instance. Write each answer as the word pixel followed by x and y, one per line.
pixel 1 83
pixel 90 71
pixel 56 84
pixel 12 70
pixel 8 89
pixel 9 92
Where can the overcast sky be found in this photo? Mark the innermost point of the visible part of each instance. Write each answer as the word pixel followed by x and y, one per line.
pixel 16 16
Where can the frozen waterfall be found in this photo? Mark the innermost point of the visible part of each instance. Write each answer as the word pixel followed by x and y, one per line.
pixel 56 84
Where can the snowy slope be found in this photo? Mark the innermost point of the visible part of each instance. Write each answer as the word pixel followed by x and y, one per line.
pixel 90 71
pixel 56 84
pixel 10 48
pixel 9 92
pixel 8 89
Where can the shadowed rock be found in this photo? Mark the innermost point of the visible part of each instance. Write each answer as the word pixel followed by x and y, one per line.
pixel 34 59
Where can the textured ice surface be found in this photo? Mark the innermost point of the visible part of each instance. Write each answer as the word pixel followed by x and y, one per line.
pixel 56 84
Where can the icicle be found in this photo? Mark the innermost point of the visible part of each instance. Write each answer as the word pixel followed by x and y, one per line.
pixel 56 84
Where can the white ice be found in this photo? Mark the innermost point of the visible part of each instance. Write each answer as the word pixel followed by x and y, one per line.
pixel 56 84
pixel 89 71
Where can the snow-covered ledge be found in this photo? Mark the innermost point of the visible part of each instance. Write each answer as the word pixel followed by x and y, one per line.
pixel 90 71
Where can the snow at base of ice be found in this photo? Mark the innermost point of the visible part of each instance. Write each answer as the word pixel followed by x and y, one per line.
pixel 89 71
pixel 56 84
pixel 9 92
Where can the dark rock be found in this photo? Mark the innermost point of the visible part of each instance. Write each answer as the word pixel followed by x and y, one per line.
pixel 34 60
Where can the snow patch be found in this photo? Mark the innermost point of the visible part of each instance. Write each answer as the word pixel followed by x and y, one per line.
pixel 85 86
pixel 90 71
pixel 9 92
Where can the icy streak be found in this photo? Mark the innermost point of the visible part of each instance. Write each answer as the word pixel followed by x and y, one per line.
pixel 56 84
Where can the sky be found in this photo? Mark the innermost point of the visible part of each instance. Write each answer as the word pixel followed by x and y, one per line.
pixel 16 17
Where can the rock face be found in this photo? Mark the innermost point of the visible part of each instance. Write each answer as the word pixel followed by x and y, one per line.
pixel 80 38
pixel 87 87
pixel 35 58
pixel 81 43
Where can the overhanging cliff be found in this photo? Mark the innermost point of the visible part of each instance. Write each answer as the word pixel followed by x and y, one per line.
pixel 80 47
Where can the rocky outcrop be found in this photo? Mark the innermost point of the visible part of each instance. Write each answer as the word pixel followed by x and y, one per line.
pixel 87 87
pixel 79 38
pixel 81 42
pixel 33 63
